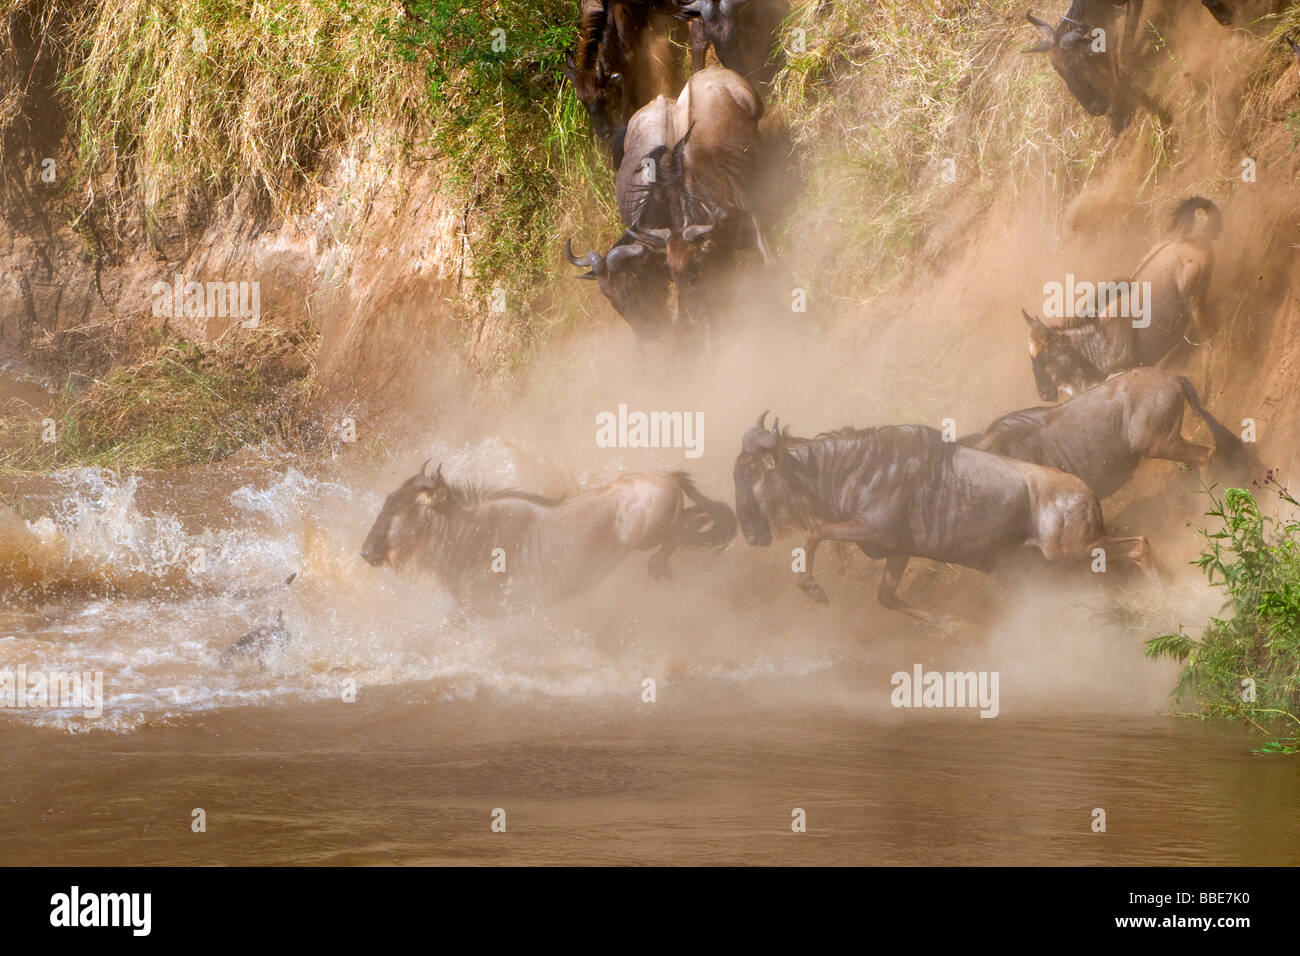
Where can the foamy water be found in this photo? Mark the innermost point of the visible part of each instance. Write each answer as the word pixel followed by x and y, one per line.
pixel 99 583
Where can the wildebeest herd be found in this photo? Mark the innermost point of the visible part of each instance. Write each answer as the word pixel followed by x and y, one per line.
pixel 687 156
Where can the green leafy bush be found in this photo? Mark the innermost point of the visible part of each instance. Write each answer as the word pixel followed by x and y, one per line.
pixel 1255 559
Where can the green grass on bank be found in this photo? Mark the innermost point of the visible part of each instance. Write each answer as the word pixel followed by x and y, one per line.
pixel 1246 664
pixel 183 404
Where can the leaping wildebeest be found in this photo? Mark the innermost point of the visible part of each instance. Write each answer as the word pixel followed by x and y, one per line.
pixel 901 491
pixel 1094 62
pixel 1102 434
pixel 706 181
pixel 632 277
pixel 1086 350
pixel 685 191
pixel 549 549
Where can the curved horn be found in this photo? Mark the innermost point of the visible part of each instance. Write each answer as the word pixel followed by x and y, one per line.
pixel 437 477
pixel 706 10
pixel 1073 38
pixel 620 257
pixel 592 261
pixel 762 419
pixel 1031 320
pixel 695 233
pixel 425 467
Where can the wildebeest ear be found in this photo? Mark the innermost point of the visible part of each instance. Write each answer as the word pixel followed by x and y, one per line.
pixel 1072 38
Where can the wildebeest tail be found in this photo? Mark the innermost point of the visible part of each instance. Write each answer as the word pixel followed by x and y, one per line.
pixel 1184 218
pixel 1226 443
pixel 712 524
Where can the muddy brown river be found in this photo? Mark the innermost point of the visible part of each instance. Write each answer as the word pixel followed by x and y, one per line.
pixel 390 729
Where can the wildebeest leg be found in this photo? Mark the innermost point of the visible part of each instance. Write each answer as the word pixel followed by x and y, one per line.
pixel 887 593
pixel 1175 447
pixel 840 531
pixel 699 41
pixel 1134 550
pixel 1152 105
pixel 659 569
pixel 1191 289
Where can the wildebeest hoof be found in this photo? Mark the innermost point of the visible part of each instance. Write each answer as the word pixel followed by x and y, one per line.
pixel 814 590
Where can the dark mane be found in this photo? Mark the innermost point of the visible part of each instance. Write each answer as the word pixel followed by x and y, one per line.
pixel 887 445
pixel 1076 322
pixel 469 494
pixel 1025 418
pixel 524 496
pixel 590 37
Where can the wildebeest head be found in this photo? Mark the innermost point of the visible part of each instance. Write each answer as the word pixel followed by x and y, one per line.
pixel 762 483
pixel 1090 75
pixel 603 94
pixel 685 256
pixel 723 24
pixel 632 276
pixel 1059 367
pixel 404 522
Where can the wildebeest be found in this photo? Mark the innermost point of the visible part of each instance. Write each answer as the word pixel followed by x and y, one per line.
pixel 901 491
pixel 631 276
pixel 742 33
pixel 685 192
pixel 1102 434
pixel 1087 349
pixel 625 57
pixel 706 184
pixel 1096 67
pixel 502 551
